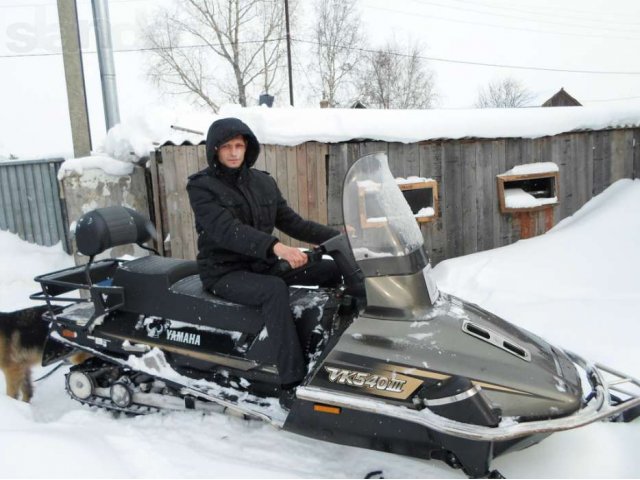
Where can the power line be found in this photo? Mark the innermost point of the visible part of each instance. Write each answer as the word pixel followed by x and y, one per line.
pixel 521 29
pixel 364 50
pixel 482 64
pixel 597 18
pixel 141 49
pixel 518 17
pixel 612 99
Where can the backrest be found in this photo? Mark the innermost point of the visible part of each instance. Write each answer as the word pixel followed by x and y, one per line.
pixel 103 228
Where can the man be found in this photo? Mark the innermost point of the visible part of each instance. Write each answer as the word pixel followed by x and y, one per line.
pixel 236 209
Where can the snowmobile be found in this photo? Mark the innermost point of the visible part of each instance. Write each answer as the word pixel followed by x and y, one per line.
pixel 393 363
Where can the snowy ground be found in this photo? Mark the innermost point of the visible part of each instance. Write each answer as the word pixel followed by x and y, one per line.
pixel 577 286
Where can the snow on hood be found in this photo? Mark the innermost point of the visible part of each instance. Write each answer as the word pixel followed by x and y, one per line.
pixel 293 126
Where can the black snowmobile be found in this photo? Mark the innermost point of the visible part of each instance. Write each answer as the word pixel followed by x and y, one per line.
pixel 393 364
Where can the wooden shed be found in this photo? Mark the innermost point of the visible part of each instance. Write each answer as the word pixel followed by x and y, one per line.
pixel 561 99
pixel 468 175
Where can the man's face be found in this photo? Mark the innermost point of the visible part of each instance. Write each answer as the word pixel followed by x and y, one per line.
pixel 231 153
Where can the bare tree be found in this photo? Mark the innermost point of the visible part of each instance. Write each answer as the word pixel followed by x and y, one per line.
pixel 505 93
pixel 217 49
pixel 338 36
pixel 393 78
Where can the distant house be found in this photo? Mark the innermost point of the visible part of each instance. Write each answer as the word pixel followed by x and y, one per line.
pixel 562 99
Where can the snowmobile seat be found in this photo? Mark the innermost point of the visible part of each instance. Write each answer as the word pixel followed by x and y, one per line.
pixel 171 288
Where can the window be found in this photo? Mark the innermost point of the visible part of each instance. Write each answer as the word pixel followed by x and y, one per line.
pixel 420 193
pixel 422 196
pixel 528 187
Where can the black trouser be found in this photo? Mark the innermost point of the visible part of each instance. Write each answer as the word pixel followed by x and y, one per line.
pixel 271 294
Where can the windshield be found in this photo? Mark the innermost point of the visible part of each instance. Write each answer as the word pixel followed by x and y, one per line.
pixel 377 218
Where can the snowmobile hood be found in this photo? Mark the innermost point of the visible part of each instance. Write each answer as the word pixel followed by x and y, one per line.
pixel 222 131
pixel 519 373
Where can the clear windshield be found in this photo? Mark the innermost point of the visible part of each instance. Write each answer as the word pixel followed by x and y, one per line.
pixel 377 217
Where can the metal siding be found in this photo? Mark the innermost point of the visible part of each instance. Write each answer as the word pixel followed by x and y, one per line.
pixel 30 204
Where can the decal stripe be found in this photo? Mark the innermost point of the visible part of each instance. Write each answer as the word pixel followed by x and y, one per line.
pixel 500 388
pixel 232 362
pixel 441 376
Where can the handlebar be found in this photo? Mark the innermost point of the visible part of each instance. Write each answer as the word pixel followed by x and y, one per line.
pixel 282 266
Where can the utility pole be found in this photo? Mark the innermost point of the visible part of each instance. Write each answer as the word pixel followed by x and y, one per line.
pixel 74 76
pixel 286 17
pixel 105 61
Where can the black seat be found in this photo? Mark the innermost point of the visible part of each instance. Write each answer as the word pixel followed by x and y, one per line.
pixel 171 288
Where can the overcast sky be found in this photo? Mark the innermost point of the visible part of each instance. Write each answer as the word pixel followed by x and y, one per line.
pixel 468 43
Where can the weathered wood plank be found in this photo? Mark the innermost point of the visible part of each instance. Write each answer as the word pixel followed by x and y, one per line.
pixel 261 163
pixel 270 160
pixel 321 175
pixel 563 156
pixel 172 203
pixel 583 168
pixel 502 222
pixel 202 157
pixel 486 193
pixel 396 159
pixel 338 165
pixel 412 160
pixel 156 202
pixel 430 166
pixel 601 145
pixel 303 199
pixel 451 197
pixel 621 155
pixel 186 163
pixel 469 224
pixel 292 177
pixel 280 174
pixel 312 181
pixel 365 148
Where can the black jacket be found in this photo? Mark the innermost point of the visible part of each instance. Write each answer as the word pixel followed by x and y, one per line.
pixel 237 210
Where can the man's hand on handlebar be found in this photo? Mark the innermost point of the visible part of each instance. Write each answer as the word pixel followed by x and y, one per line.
pixel 295 257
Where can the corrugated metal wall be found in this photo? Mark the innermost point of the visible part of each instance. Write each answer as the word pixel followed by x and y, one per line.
pixel 30 204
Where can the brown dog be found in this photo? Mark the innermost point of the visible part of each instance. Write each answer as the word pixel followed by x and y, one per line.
pixel 22 337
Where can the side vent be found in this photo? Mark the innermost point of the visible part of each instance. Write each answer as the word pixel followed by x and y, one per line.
pixel 477 331
pixel 496 339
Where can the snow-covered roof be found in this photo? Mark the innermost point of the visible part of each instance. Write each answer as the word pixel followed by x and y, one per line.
pixel 293 126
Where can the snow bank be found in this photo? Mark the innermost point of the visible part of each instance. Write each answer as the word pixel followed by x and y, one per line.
pixel 290 126
pixel 108 165
pixel 16 284
pixel 578 285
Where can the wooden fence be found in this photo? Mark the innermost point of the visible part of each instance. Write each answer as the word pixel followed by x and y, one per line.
pixel 311 176
pixel 469 219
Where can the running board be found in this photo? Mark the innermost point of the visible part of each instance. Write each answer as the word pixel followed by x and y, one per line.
pixel 597 406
